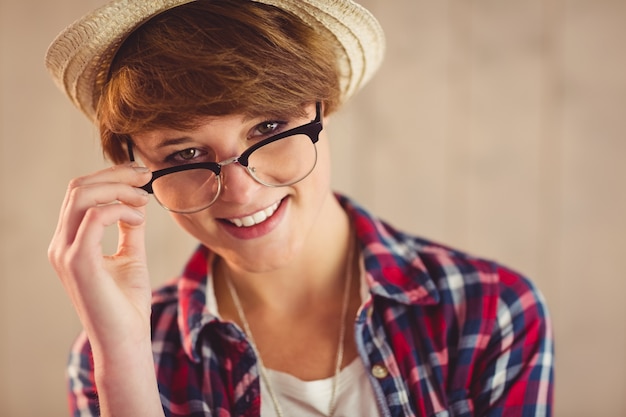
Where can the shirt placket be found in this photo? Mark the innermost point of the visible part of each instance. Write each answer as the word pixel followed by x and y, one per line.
pixel 391 392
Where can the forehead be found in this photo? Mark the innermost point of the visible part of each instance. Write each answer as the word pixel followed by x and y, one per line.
pixel 203 126
pixel 236 126
pixel 206 124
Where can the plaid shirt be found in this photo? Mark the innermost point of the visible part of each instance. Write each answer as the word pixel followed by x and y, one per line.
pixel 443 333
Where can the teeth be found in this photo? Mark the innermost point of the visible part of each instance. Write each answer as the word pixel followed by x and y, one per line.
pixel 255 218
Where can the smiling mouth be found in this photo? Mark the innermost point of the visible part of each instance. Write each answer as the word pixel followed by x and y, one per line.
pixel 255 218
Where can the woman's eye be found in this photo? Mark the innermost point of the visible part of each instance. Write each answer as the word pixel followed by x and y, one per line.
pixel 269 127
pixel 185 155
pixel 188 154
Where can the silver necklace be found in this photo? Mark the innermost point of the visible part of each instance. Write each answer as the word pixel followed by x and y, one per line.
pixel 342 331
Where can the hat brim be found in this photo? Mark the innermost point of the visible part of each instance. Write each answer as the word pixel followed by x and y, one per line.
pixel 80 57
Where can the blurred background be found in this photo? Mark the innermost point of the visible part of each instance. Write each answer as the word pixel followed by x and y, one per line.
pixel 495 126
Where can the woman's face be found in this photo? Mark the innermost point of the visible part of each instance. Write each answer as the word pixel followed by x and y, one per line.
pixel 259 228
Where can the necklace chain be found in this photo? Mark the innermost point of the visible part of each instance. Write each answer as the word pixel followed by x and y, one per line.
pixel 342 332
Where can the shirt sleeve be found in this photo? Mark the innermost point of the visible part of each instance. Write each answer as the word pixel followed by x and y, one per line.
pixel 82 395
pixel 517 375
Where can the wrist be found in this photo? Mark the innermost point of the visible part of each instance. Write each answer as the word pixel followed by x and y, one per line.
pixel 126 382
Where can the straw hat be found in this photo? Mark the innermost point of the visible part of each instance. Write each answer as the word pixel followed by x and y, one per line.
pixel 80 57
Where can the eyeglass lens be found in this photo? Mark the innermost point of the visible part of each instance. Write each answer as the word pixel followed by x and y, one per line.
pixel 279 163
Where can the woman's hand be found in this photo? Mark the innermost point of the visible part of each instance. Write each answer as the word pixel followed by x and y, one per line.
pixel 111 293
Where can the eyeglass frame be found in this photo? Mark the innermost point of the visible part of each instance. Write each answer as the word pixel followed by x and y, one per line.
pixel 311 129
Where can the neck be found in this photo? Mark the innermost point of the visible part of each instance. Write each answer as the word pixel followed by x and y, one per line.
pixel 312 276
pixel 261 350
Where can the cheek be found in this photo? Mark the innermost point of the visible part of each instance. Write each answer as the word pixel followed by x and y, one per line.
pixel 192 224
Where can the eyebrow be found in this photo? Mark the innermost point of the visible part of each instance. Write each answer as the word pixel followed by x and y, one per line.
pixel 171 142
pixel 246 119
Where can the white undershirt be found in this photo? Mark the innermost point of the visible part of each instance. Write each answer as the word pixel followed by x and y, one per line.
pixel 297 398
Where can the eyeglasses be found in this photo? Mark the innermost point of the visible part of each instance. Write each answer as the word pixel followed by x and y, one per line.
pixel 278 161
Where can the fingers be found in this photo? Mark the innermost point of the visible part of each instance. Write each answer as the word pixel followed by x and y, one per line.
pixel 111 186
pixel 132 238
pixel 98 200
pixel 129 174
pixel 90 233
pixel 91 197
pixel 81 266
pixel 110 293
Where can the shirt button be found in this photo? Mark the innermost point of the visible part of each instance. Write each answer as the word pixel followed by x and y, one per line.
pixel 379 371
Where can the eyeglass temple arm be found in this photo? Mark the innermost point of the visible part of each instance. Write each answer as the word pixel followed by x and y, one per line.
pixel 318 112
pixel 131 156
pixel 129 148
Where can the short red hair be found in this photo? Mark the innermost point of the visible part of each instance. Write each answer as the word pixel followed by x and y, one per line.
pixel 215 58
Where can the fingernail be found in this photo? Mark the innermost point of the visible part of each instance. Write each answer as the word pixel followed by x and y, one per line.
pixel 142 192
pixel 141 169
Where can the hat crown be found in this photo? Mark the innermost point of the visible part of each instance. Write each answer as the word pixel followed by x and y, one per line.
pixel 80 57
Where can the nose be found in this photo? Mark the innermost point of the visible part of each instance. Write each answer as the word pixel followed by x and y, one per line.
pixel 238 186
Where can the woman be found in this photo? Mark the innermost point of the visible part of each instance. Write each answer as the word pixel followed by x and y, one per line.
pixel 297 301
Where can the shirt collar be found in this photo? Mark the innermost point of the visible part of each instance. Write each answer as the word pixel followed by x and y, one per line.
pixel 196 301
pixel 394 268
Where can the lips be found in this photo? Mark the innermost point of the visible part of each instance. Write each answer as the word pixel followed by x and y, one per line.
pixel 255 218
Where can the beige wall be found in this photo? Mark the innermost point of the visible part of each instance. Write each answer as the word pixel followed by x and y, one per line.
pixel 495 125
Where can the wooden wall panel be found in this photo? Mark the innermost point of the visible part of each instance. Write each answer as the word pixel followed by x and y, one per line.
pixel 591 308
pixel 494 126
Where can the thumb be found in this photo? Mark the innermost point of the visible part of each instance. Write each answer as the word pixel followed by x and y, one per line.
pixel 132 242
